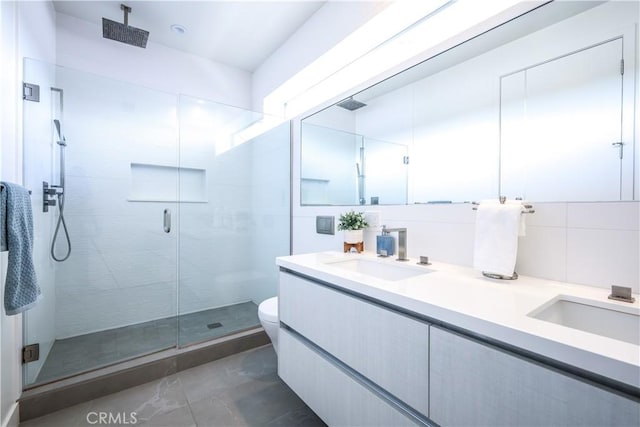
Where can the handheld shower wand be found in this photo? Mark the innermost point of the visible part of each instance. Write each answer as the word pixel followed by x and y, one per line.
pixel 62 142
pixel 59 191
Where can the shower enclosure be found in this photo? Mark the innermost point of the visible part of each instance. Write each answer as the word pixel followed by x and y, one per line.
pixel 175 206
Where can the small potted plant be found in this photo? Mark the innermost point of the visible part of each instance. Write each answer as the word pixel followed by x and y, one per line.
pixel 352 224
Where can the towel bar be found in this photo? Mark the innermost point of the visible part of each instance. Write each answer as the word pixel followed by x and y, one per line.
pixel 526 209
pixel 2 188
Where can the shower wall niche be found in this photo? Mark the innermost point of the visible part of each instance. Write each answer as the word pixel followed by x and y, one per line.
pixel 130 287
pixel 157 183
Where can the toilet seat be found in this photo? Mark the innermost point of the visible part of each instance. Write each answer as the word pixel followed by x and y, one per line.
pixel 268 310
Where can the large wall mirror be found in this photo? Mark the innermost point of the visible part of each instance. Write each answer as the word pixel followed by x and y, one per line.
pixel 537 108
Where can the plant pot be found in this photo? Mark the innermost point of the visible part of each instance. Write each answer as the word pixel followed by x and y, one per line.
pixel 353 236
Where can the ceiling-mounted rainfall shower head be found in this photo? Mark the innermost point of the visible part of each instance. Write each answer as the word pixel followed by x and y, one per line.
pixel 123 32
pixel 351 104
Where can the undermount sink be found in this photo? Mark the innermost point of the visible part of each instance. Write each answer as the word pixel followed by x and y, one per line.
pixel 601 318
pixel 380 270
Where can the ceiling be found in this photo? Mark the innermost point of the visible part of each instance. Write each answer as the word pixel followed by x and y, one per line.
pixel 238 33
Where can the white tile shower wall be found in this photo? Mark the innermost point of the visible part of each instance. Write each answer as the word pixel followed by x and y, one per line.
pixel 270 209
pixel 214 235
pixel 122 268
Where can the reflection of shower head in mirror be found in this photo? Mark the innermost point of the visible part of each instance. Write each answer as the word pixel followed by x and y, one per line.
pixel 61 139
pixel 351 104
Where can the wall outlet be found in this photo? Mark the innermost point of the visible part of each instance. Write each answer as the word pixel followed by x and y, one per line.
pixel 372 218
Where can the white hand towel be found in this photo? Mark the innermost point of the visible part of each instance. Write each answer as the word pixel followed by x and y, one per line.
pixel 522 231
pixel 496 238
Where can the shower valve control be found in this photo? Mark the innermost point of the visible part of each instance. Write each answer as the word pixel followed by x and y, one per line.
pixel 48 191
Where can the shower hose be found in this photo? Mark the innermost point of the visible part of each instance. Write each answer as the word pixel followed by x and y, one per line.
pixel 64 226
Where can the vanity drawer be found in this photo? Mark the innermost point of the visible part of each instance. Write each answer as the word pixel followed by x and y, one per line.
pixel 476 384
pixel 390 349
pixel 332 394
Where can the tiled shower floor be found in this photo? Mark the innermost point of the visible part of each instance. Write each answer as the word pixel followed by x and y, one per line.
pixel 73 355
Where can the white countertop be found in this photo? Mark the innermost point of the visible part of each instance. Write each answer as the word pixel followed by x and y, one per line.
pixel 497 309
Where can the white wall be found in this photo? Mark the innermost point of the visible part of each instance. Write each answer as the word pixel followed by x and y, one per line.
pixel 28 30
pixel 80 46
pixel 10 327
pixel 589 243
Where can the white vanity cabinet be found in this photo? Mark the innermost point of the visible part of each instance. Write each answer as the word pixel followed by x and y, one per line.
pixel 330 391
pixel 476 384
pixel 389 349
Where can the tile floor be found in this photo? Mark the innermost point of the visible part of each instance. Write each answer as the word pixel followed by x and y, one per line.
pixel 85 352
pixel 239 390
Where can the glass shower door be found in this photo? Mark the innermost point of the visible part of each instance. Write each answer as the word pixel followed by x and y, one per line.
pixel 114 297
pixel 234 216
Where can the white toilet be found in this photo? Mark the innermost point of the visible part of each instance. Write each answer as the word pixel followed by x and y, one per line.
pixel 268 314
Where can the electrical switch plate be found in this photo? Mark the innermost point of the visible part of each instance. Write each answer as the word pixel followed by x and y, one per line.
pixel 372 218
pixel 325 225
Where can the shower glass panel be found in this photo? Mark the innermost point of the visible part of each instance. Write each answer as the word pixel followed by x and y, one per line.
pixel 149 175
pixel 114 298
pixel 340 184
pixel 343 168
pixel 386 169
pixel 234 216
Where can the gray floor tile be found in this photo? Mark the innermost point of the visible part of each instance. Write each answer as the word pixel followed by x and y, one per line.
pixel 239 390
pixel 180 417
pixel 205 380
pixel 216 412
pixel 147 401
pixel 302 417
pixel 74 355
pixel 260 364
pixel 252 403
pixel 68 417
pixel 263 405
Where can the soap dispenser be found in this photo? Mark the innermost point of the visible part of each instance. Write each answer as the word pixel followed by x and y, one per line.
pixel 385 243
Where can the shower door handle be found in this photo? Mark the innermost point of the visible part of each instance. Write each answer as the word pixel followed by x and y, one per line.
pixel 167 221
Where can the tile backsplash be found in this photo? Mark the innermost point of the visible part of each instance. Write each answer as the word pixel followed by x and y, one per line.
pixel 595 244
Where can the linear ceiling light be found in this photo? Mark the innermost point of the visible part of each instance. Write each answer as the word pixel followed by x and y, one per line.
pixel 394 36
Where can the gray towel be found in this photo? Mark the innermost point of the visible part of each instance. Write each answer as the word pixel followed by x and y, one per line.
pixel 21 290
pixel 3 220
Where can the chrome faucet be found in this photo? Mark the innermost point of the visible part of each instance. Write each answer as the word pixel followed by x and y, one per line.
pixel 402 241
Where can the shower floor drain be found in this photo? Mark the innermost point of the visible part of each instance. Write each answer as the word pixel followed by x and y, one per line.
pixel 214 325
